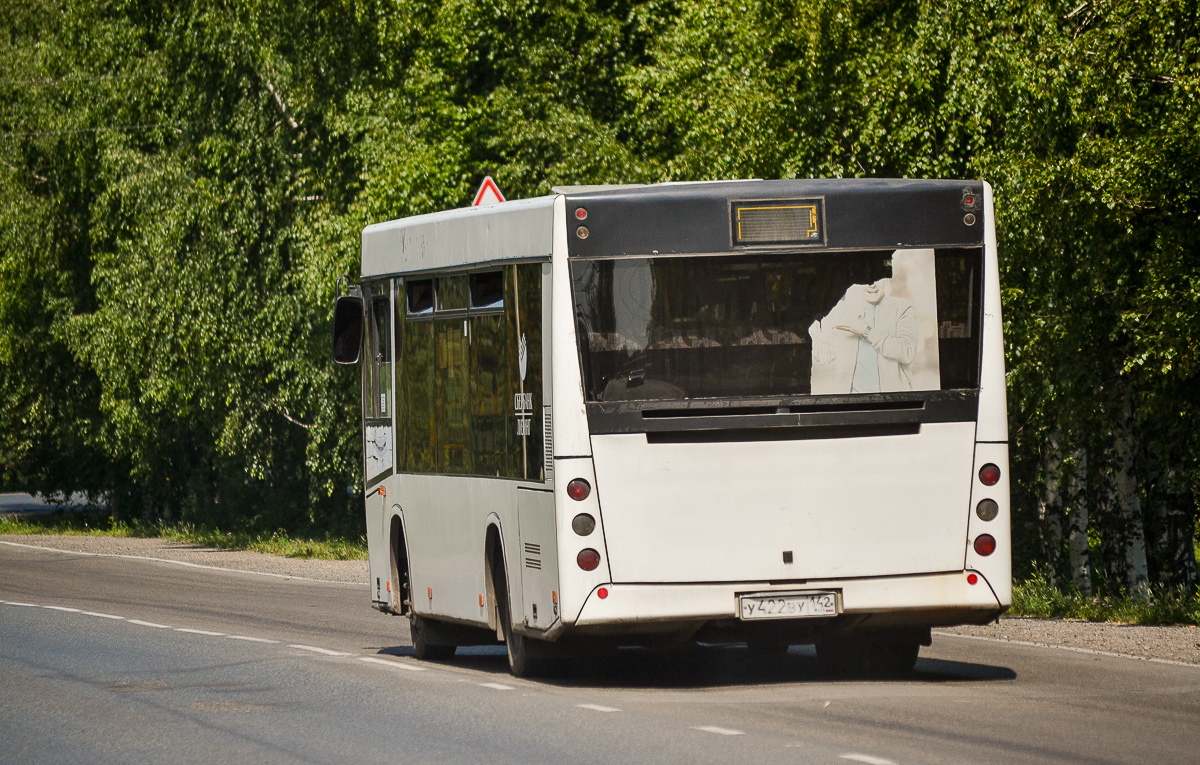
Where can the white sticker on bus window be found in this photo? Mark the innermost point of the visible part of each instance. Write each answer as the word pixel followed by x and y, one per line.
pixel 881 337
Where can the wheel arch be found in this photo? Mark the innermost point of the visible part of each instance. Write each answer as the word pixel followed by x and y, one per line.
pixel 400 571
pixel 493 561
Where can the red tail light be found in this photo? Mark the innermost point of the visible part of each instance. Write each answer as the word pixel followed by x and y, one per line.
pixel 578 489
pixel 588 559
pixel 989 474
pixel 985 544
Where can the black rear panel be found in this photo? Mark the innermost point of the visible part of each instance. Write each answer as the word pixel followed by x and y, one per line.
pixel 702 218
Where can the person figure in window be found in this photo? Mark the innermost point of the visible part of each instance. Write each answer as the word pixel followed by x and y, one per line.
pixel 866 343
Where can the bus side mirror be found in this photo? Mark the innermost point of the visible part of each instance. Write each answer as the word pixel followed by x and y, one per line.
pixel 347 329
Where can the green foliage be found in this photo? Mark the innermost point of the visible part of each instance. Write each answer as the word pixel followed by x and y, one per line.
pixel 276 542
pixel 181 185
pixel 1037 597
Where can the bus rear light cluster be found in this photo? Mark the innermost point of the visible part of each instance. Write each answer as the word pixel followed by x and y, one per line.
pixel 989 474
pixel 583 524
pixel 578 489
pixel 985 544
pixel 987 510
pixel 588 559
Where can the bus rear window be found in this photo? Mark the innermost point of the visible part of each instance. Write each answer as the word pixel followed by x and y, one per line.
pixel 826 323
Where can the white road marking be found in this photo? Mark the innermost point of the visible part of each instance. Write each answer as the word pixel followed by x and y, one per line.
pixel 251 639
pixel 322 651
pixel 393 664
pixel 496 686
pixel 15 603
pixel 177 563
pixel 1073 649
pixel 868 759
pixel 149 624
pixel 199 632
pixel 719 731
pixel 102 616
pixel 597 708
pixel 64 608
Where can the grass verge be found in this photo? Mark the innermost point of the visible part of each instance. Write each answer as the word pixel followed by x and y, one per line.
pixel 277 542
pixel 1167 605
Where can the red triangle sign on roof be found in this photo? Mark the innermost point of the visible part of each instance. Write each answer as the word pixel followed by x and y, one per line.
pixel 488 194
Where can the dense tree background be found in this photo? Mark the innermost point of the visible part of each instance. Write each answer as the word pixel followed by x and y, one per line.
pixel 180 184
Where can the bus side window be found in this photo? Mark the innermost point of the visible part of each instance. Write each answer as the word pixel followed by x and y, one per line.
pixel 493 435
pixel 524 312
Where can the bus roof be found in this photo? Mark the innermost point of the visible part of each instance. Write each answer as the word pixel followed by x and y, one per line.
pixel 515 230
pixel 861 212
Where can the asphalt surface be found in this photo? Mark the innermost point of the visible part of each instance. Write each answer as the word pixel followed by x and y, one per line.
pixel 106 659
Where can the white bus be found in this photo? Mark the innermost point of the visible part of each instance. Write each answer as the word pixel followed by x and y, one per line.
pixel 769 412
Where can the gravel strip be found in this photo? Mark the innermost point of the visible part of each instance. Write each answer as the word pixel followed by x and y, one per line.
pixel 348 571
pixel 1174 643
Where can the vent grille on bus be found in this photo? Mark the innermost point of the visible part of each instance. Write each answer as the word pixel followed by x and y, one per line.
pixel 533 557
pixel 548 440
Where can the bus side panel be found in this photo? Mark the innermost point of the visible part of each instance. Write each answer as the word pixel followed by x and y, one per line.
pixel 571 435
pixel 445 520
pixel 997 567
pixel 538 559
pixel 377 550
pixel 993 410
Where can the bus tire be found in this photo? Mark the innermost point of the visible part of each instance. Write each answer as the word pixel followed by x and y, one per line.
pixel 424 650
pixel 520 662
pixel 841 655
pixel 892 656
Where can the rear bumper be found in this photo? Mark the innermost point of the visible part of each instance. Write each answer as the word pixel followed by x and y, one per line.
pixel 927 600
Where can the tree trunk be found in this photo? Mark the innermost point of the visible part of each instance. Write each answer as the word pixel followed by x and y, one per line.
pixel 1076 509
pixel 1129 505
pixel 1172 514
pixel 1050 510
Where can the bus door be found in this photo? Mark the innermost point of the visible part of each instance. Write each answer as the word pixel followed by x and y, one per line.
pixel 378 433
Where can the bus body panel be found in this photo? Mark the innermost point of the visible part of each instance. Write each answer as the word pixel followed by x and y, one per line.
pixel 993 409
pixel 734 511
pixel 575 583
pixel 538 557
pixel 459 238
pixel 571 438
pixel 445 520
pixel 935 599
pixel 377 552
pixel 998 566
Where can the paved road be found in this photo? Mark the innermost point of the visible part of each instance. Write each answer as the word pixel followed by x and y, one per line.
pixel 117 660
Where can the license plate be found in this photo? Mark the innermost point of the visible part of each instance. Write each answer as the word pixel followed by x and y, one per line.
pixel 788 605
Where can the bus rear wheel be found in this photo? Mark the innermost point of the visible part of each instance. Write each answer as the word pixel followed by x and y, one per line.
pixel 892 656
pixel 841 655
pixel 521 662
pixel 423 648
